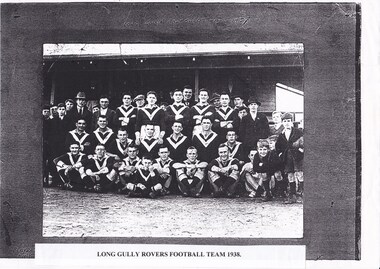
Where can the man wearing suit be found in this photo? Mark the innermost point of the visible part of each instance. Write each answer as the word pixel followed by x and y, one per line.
pixel 104 111
pixel 80 112
pixel 253 127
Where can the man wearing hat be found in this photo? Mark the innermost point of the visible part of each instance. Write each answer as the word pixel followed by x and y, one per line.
pixel 253 127
pixel 80 112
pixel 139 100
pixel 289 145
pixel 215 100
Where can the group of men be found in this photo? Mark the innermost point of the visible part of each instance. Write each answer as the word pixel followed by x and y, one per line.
pixel 146 150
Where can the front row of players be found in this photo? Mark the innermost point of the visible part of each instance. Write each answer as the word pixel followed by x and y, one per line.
pixel 147 177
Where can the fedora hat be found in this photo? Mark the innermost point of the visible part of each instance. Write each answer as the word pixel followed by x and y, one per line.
pixel 80 95
pixel 252 100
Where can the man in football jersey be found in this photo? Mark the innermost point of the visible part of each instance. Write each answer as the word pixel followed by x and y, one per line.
pixel 100 169
pixel 146 179
pixel 150 114
pixel 206 142
pixel 103 134
pixel 119 146
pixel 177 111
pixel 200 110
pixel 224 174
pixel 71 170
pixel 235 147
pixel 163 165
pixel 177 143
pixel 224 116
pixel 149 145
pixel 127 168
pixel 190 174
pixel 80 136
pixel 126 115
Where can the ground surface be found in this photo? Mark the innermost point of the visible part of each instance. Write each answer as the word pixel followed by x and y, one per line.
pixel 77 214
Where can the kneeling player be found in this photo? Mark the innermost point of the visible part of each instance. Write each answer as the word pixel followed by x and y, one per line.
pixel 128 168
pixel 224 173
pixel 146 181
pixel 70 169
pixel 100 169
pixel 191 174
pixel 251 178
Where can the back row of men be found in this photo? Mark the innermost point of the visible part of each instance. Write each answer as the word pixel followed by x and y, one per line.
pixel 149 127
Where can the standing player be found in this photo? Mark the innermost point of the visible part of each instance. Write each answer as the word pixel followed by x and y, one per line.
pixel 224 174
pixel 126 115
pixel 177 112
pixel 190 174
pixel 200 110
pixel 224 116
pixel 153 115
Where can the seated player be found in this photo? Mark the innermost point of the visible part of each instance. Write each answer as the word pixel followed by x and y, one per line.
pixel 146 179
pixel 177 143
pixel 235 147
pixel 163 165
pixel 119 147
pixel 102 135
pixel 252 181
pixel 289 145
pixel 224 174
pixel 190 174
pixel 261 165
pixel 128 166
pixel 70 169
pixel 100 169
pixel 80 136
pixel 149 145
pixel 206 142
pixel 277 181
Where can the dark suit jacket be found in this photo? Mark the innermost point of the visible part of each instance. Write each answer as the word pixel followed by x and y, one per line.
pixel 251 131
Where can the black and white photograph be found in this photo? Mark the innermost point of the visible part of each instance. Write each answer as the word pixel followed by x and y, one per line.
pixel 199 134
pixel 173 140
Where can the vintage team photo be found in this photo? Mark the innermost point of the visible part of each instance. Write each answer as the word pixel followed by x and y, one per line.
pixel 173 140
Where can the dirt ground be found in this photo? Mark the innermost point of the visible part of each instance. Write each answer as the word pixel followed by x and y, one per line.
pixel 80 214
